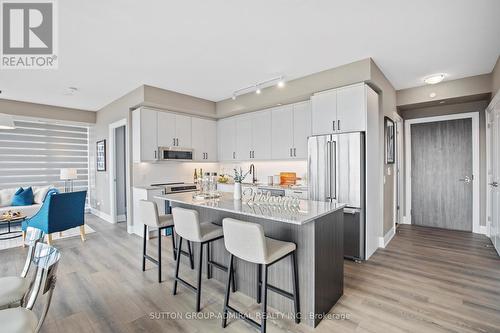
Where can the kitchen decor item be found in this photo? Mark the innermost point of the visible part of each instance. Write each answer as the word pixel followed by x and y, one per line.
pixel 288 178
pixel 101 155
pixel 276 180
pixel 270 180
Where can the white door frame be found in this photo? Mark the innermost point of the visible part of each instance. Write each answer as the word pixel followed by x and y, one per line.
pixel 489 113
pixel 112 187
pixel 398 175
pixel 475 162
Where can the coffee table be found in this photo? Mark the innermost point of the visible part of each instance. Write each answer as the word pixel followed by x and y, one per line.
pixel 8 221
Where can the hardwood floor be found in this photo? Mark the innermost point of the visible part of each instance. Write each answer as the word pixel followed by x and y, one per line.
pixel 426 280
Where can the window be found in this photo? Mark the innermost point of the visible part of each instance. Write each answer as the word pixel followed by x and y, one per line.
pixel 34 152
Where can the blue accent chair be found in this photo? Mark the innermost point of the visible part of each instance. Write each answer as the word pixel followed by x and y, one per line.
pixel 59 212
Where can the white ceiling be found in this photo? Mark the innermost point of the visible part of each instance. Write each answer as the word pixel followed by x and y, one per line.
pixel 211 48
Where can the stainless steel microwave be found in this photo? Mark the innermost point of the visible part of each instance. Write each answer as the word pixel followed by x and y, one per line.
pixel 175 154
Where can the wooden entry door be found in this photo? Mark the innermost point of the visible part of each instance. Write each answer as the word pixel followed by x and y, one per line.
pixel 441 174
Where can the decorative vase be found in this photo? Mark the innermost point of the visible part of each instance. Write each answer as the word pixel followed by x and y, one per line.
pixel 237 191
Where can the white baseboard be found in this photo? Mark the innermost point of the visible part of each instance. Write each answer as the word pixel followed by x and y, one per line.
pixel 121 218
pixel 383 241
pixel 484 229
pixel 405 220
pixel 102 215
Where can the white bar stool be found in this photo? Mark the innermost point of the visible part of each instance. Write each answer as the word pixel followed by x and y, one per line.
pixel 247 241
pixel 187 226
pixel 151 218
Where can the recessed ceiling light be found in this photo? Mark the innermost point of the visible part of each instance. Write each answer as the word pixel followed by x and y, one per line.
pixel 70 91
pixel 433 79
pixel 432 95
pixel 281 84
pixel 258 91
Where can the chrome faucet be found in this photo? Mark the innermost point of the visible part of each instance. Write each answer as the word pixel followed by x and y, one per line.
pixel 252 171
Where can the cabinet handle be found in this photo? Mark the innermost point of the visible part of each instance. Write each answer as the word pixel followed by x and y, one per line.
pixel 177 141
pixel 206 156
pixel 290 152
pixel 155 155
pixel 333 122
pixel 234 155
pixel 338 125
pixel 173 141
pixel 294 152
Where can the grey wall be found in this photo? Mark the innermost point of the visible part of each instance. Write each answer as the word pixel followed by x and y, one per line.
pixel 469 86
pixel 46 111
pixel 478 106
pixel 388 108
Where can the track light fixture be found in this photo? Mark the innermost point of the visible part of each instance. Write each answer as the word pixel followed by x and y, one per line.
pixel 257 87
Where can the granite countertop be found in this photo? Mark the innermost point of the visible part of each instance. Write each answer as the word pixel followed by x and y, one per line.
pixel 307 211
pixel 278 187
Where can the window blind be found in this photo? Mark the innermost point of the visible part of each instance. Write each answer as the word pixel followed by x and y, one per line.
pixel 33 154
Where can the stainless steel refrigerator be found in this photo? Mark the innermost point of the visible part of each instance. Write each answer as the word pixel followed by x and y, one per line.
pixel 336 172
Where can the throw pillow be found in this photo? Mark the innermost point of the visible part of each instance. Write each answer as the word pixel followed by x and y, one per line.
pixel 23 198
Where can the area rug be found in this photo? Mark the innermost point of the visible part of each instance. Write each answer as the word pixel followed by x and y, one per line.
pixel 16 242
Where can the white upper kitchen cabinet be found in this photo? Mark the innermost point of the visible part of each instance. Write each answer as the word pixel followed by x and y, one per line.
pixel 174 130
pixel 166 129
pixel 351 108
pixel 144 134
pixel 261 135
pixel 244 137
pixel 301 128
pixel 204 139
pixel 226 139
pixel 282 135
pixel 183 131
pixel 339 110
pixel 324 112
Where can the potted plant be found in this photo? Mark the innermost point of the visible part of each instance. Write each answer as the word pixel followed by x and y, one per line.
pixel 238 178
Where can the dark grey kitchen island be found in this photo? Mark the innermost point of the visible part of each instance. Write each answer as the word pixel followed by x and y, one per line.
pixel 315 227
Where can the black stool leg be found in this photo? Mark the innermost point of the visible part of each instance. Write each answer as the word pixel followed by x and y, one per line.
pixel 209 272
pixel 159 255
pixel 173 242
pixel 233 279
pixel 264 299
pixel 230 274
pixel 144 248
pixel 295 288
pixel 177 266
pixel 198 289
pixel 259 279
pixel 191 261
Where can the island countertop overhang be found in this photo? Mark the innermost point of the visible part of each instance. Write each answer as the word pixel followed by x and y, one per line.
pixel 307 211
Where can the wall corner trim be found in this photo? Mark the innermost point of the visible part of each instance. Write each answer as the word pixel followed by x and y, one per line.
pixel 384 241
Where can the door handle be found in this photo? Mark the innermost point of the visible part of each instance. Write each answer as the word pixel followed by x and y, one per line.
pixel 466 180
pixel 494 184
